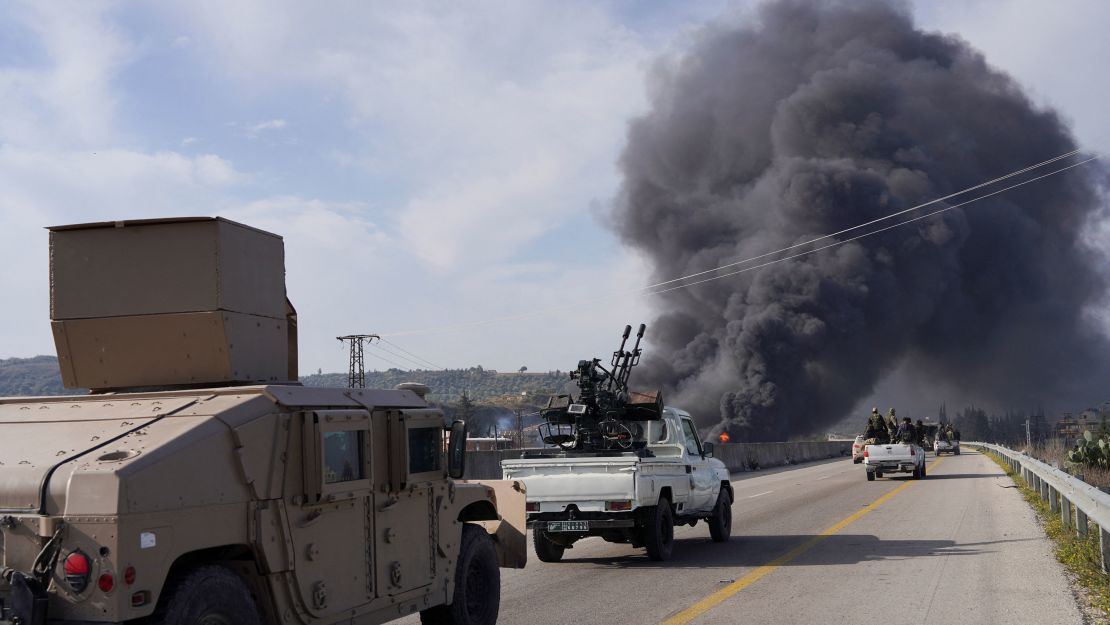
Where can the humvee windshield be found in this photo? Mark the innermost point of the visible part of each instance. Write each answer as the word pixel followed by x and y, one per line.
pixel 343 457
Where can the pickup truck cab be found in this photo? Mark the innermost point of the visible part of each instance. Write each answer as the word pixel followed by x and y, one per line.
pixel 668 478
pixel 894 458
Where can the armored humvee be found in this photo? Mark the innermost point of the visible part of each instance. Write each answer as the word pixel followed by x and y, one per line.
pixel 197 484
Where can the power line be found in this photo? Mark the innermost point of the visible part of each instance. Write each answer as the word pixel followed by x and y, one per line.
pixel 867 234
pixel 649 290
pixel 395 364
pixel 430 363
pixel 402 357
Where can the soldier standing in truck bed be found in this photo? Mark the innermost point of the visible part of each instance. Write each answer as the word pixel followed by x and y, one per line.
pixel 876 429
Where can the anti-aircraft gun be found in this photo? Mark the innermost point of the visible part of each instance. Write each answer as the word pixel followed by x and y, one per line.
pixel 605 415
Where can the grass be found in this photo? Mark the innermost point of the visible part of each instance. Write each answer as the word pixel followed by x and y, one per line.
pixel 1079 554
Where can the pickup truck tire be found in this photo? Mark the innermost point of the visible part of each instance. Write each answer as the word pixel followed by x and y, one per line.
pixel 870 476
pixel 208 595
pixel 923 471
pixel 546 549
pixel 659 531
pixel 878 473
pixel 477 584
pixel 720 524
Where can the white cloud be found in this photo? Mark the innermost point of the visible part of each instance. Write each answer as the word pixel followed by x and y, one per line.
pixel 69 100
pixel 504 118
pixel 271 124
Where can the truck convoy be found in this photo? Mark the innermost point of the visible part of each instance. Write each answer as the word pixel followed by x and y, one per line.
pixel 622 466
pixel 199 484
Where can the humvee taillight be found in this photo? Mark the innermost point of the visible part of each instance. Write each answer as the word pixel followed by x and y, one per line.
pixel 77 567
pixel 106 582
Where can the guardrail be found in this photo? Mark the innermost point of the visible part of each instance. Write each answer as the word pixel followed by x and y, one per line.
pixel 1077 502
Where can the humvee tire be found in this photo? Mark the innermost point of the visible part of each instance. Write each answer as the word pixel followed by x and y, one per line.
pixel 720 524
pixel 547 550
pixel 208 595
pixel 477 584
pixel 659 530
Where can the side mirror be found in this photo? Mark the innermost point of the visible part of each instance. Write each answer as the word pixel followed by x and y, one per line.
pixel 707 449
pixel 456 451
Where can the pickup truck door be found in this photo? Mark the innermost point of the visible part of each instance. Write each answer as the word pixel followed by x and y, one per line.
pixel 703 495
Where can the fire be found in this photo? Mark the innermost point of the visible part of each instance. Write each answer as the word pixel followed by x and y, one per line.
pixel 724 437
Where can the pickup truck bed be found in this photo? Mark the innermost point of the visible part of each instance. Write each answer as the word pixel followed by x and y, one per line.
pixel 879 460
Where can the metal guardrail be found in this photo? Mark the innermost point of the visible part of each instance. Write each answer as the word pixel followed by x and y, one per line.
pixel 1077 502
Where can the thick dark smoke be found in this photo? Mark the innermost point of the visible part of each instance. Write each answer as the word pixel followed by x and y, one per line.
pixel 821 116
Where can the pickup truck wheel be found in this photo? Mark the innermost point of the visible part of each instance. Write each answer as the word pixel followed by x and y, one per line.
pixel 477 584
pixel 546 549
pixel 208 595
pixel 659 531
pixel 923 473
pixel 870 476
pixel 878 473
pixel 720 524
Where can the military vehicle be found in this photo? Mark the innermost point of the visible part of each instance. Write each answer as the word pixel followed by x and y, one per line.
pixel 622 466
pixel 198 484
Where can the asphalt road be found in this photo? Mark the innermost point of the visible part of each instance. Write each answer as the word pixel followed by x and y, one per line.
pixel 820 544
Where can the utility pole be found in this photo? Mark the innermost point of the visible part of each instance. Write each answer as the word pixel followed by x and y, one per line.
pixel 356 371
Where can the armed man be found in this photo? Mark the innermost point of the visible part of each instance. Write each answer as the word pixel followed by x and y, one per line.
pixel 892 425
pixel 876 433
pixel 906 432
pixel 920 426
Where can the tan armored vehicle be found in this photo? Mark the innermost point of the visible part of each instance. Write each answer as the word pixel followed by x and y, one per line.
pixel 197 485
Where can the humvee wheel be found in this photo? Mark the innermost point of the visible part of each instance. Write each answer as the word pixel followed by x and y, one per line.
pixel 720 524
pixel 659 531
pixel 477 584
pixel 208 595
pixel 547 550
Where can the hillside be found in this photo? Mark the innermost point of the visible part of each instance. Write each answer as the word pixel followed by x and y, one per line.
pixel 40 376
pixel 31 376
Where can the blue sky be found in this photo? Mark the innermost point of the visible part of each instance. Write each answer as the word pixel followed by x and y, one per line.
pixel 428 163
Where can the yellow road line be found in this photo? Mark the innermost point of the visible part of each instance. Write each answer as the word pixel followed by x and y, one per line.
pixel 721 595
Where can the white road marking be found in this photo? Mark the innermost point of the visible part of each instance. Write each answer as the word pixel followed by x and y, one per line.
pixel 760 494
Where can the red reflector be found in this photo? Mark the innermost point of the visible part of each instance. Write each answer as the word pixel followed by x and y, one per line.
pixel 129 575
pixel 106 582
pixel 77 564
pixel 140 598
pixel 76 568
pixel 617 506
pixel 532 506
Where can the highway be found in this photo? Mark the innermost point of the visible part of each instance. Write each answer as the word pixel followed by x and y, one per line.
pixel 820 544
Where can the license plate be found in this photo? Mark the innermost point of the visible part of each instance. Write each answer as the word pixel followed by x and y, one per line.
pixel 568 526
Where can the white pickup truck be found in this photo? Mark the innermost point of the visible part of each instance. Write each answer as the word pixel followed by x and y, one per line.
pixel 666 478
pixel 894 458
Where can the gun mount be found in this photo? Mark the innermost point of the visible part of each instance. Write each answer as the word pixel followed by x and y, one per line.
pixel 605 416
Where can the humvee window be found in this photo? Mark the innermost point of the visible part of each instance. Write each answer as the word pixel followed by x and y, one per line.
pixel 424 449
pixel 343 457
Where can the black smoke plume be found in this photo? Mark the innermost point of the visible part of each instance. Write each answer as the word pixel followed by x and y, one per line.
pixel 819 116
